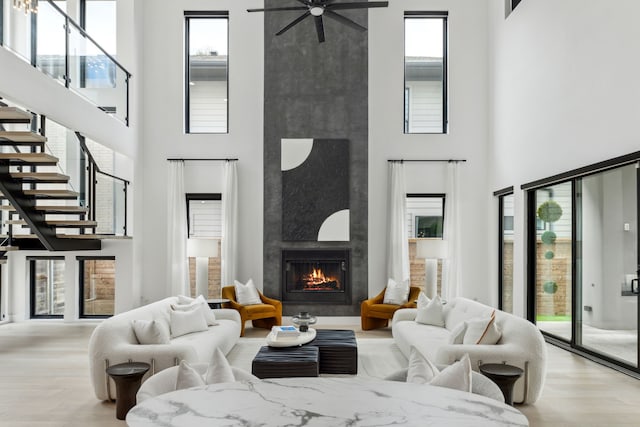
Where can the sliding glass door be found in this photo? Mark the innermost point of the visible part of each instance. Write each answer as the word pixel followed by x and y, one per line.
pixel 553 259
pixel 583 261
pixel 607 230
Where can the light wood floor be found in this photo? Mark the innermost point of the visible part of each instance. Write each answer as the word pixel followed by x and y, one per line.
pixel 44 379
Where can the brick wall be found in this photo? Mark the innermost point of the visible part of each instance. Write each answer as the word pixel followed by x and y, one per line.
pixel 557 270
pixel 507 276
pixel 99 286
pixel 417 269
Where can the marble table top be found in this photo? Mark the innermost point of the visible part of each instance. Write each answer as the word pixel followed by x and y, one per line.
pixel 322 402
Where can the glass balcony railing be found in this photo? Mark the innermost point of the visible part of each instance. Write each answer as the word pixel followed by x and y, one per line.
pixel 52 42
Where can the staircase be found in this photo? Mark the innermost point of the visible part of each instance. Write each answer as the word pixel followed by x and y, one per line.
pixel 42 217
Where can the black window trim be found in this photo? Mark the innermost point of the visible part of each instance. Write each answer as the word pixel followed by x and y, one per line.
pixel 501 194
pixel 444 15
pixel 188 15
pixel 32 286
pixel 442 196
pixel 199 196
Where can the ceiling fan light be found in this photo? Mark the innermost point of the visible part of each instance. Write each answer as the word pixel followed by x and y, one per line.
pixel 317 11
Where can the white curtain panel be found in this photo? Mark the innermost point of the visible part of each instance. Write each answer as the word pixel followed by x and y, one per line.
pixel 397 227
pixel 229 255
pixel 177 260
pixel 453 267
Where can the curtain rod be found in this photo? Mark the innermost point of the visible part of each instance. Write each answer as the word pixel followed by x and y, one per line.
pixel 200 160
pixel 428 160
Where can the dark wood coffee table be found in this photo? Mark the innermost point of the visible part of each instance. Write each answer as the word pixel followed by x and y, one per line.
pixel 505 376
pixel 128 377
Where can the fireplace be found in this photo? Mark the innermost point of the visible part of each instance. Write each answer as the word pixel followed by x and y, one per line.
pixel 312 276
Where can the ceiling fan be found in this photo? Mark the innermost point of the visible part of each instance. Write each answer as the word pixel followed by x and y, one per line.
pixel 320 8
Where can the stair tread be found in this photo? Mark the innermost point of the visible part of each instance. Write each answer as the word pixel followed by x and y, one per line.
pixel 40 176
pixel 65 209
pixel 22 136
pixel 14 114
pixel 42 158
pixel 67 222
pixel 53 193
pixel 9 248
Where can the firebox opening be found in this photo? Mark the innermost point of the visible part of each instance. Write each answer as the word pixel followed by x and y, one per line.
pixel 315 276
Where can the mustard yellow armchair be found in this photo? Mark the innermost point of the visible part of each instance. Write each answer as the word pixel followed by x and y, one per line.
pixel 265 315
pixel 375 314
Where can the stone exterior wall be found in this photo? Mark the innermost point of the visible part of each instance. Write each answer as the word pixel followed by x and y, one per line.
pixel 215 276
pixel 99 286
pixel 557 270
pixel 417 269
pixel 507 276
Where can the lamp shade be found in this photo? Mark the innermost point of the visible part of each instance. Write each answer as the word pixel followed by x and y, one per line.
pixel 206 248
pixel 431 248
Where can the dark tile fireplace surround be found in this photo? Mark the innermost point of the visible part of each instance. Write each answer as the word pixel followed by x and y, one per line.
pixel 317 91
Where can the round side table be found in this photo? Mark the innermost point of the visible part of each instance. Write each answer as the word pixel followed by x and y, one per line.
pixel 128 377
pixel 505 376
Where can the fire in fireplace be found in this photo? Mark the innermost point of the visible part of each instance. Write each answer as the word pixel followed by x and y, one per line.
pixel 317 275
pixel 316 280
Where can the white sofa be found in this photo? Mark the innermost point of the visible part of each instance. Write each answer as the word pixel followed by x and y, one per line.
pixel 521 343
pixel 114 341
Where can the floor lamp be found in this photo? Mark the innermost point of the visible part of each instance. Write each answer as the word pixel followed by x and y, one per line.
pixel 202 250
pixel 431 250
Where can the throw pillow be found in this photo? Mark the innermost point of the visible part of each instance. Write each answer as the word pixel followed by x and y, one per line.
pixel 183 299
pixel 219 370
pixel 247 294
pixel 456 376
pixel 396 293
pixel 423 300
pixel 150 331
pixel 198 304
pixel 432 314
pixel 188 377
pixel 457 334
pixel 423 371
pixel 186 322
pixel 482 331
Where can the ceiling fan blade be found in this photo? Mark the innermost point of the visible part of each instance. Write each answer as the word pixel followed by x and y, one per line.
pixel 344 20
pixel 358 5
pixel 294 22
pixel 319 28
pixel 269 9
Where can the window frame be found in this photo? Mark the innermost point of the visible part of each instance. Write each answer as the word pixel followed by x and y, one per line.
pixel 444 15
pixel 188 15
pixel 32 286
pixel 501 194
pixel 441 196
pixel 198 196
pixel 81 267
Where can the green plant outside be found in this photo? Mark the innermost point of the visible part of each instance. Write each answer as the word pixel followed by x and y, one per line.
pixel 549 255
pixel 550 287
pixel 549 211
pixel 548 237
pixel 551 318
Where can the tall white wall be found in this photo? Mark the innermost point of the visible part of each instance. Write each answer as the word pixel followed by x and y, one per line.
pixel 164 137
pixel 564 93
pixel 467 138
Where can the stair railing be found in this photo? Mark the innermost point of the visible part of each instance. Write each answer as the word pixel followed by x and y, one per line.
pixel 79 63
pixel 120 185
